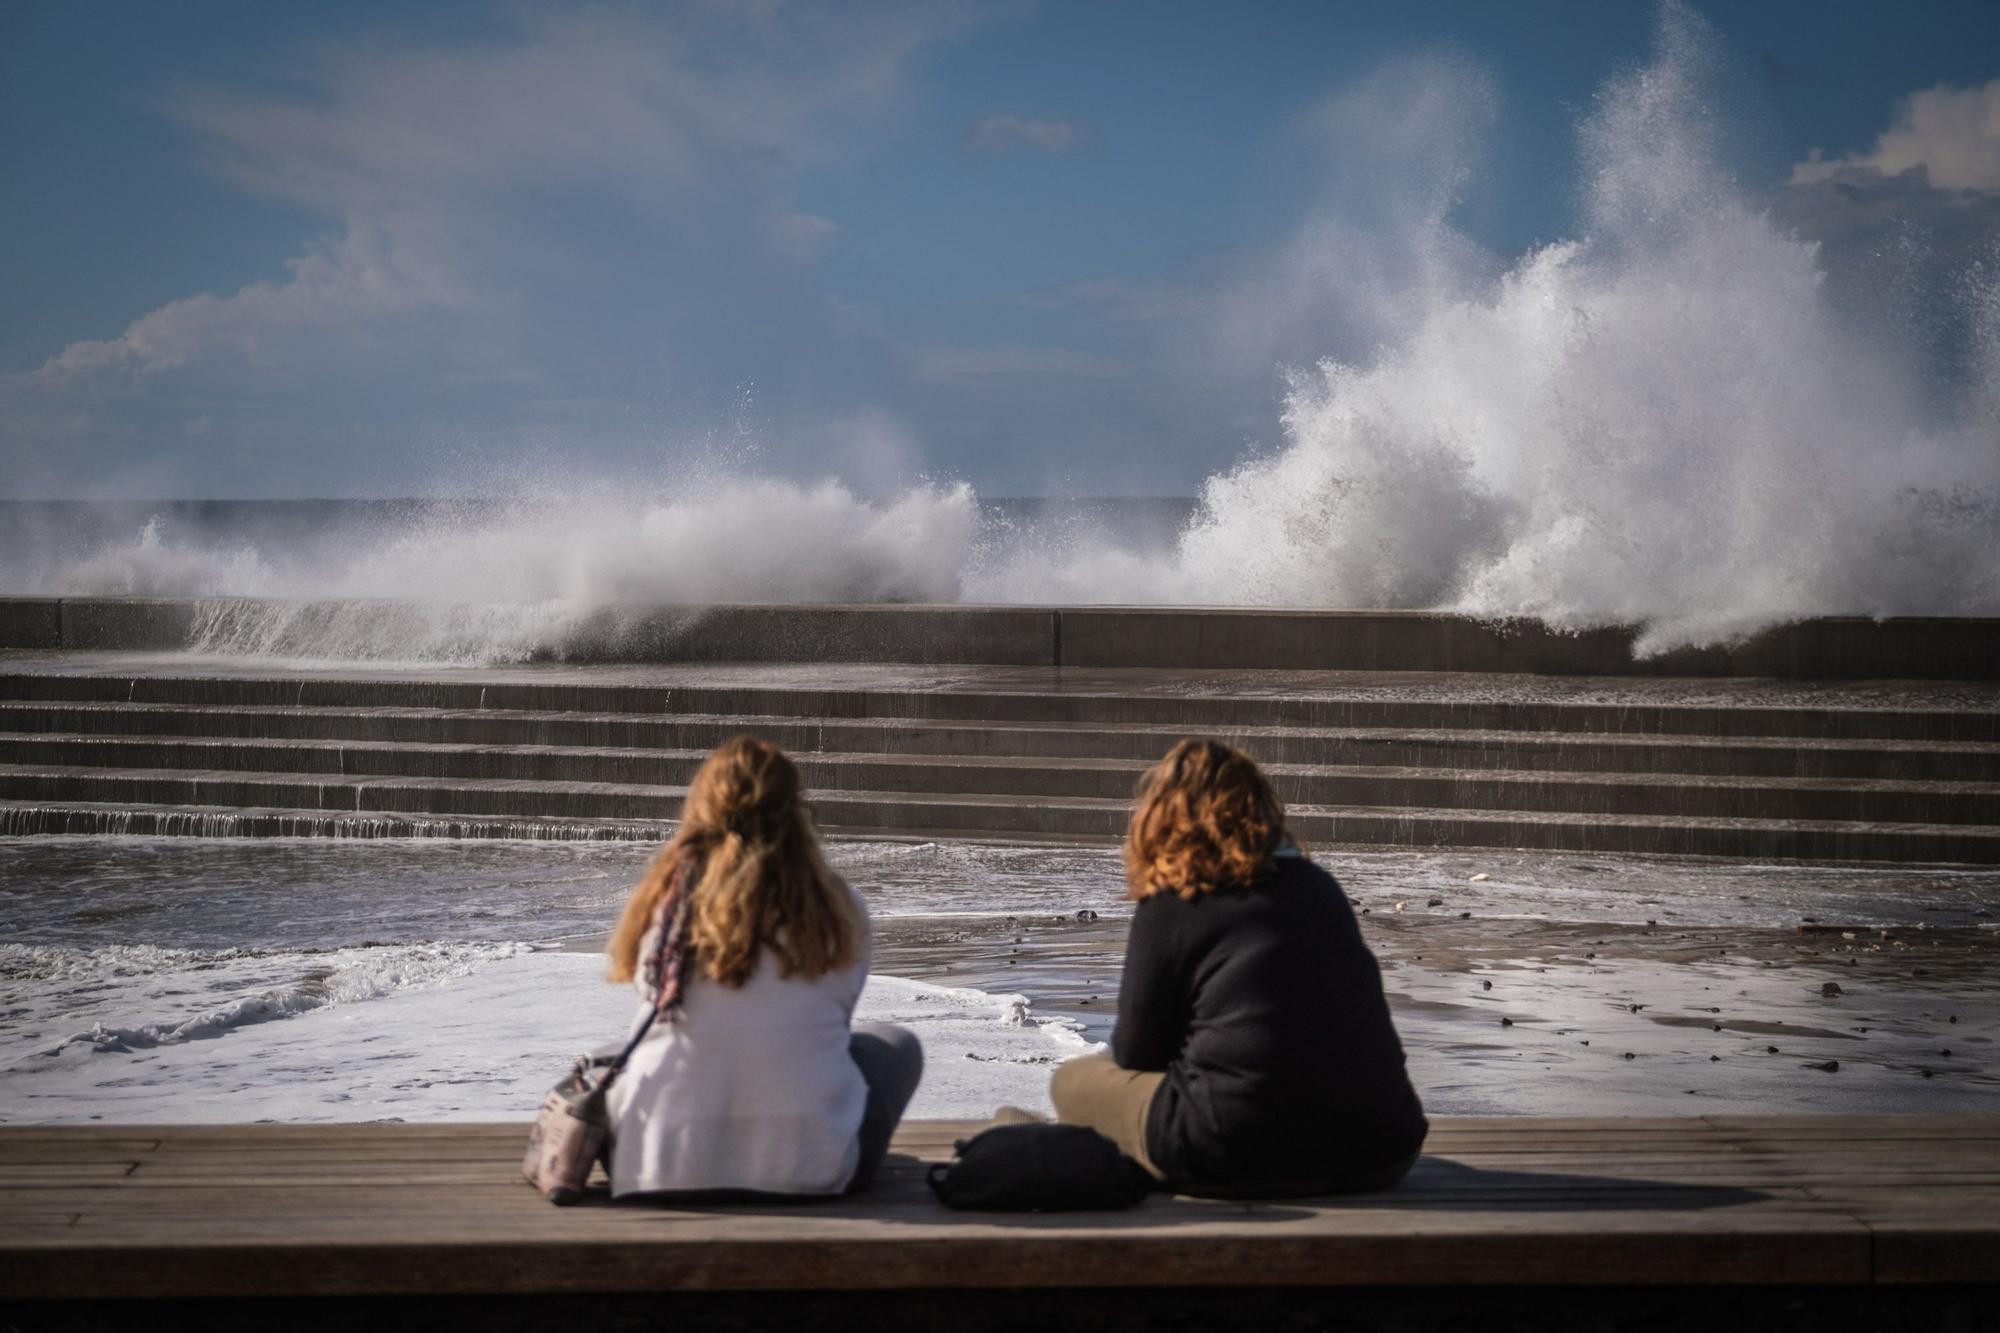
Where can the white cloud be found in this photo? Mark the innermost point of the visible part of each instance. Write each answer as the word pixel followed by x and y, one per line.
pixel 1003 131
pixel 651 104
pixel 595 205
pixel 370 272
pixel 1952 134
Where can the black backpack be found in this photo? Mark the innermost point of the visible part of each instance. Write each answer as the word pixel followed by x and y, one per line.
pixel 1039 1168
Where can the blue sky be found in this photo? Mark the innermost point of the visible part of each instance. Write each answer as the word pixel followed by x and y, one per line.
pixel 255 249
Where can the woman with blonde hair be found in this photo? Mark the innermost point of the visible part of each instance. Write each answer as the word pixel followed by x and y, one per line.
pixel 1254 1055
pixel 750 954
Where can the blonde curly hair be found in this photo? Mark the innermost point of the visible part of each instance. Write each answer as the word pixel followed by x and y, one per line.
pixel 764 883
pixel 1206 819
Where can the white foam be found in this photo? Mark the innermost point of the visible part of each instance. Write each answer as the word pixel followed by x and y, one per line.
pixel 125 998
pixel 481 1039
pixel 980 1050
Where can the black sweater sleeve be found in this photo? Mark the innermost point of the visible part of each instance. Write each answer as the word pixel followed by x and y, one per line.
pixel 1153 1000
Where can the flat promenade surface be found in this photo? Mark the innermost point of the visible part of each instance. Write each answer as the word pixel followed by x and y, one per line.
pixel 1164 683
pixel 405 1209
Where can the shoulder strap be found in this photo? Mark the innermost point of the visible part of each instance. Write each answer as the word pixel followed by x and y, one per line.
pixel 645 1026
pixel 682 873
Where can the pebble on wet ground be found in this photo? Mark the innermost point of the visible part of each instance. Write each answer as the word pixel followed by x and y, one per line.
pixel 1525 949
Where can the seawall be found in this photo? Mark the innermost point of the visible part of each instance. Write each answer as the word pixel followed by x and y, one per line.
pixel 1178 638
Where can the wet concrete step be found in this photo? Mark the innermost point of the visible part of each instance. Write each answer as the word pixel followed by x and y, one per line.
pixel 905 814
pixel 1401 747
pixel 114 819
pixel 533 783
pixel 1440 702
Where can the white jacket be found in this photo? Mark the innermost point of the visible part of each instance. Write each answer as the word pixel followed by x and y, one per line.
pixel 750 1088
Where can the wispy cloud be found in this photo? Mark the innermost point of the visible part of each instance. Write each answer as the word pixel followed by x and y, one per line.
pixel 369 273
pixel 1951 134
pixel 549 212
pixel 939 363
pixel 1002 132
pixel 1186 296
pixel 1904 229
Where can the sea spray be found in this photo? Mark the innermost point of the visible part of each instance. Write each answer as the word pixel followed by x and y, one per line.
pixel 1666 421
pixel 155 565
pixel 1676 418
pixel 512 581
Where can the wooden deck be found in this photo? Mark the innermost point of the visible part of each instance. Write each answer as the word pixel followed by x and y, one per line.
pixel 288 1210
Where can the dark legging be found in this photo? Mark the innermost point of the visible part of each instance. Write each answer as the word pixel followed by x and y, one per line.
pixel 891 1060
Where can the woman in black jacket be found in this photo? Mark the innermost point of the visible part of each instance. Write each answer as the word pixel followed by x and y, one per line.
pixel 1254 1056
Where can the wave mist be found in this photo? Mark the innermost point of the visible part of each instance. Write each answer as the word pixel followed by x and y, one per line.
pixel 1669 420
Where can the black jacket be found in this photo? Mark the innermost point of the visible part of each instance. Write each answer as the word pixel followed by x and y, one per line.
pixel 1265 1009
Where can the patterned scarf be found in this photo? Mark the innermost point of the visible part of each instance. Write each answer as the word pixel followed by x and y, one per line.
pixel 667 963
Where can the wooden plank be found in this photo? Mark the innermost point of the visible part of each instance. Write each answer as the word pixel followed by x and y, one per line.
pixel 304 1209
pixel 1923 1250
pixel 19 1149
pixel 1500 1171
pixel 26 1173
pixel 256 1139
pixel 361 1217
pixel 1794 1252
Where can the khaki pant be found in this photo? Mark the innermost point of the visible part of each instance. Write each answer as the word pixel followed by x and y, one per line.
pixel 1092 1090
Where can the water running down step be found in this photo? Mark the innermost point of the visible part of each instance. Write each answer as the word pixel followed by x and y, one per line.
pixel 1750 769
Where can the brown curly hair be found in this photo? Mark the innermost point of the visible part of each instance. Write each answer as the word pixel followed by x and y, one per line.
pixel 1206 819
pixel 764 883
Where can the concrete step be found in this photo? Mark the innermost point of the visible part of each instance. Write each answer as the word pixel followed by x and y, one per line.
pixel 906 814
pixel 1429 703
pixel 532 783
pixel 1874 772
pixel 113 819
pixel 1400 747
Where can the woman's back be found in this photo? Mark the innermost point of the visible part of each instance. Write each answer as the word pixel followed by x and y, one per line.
pixel 751 1087
pixel 749 955
pixel 1265 1008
